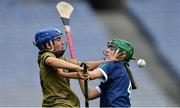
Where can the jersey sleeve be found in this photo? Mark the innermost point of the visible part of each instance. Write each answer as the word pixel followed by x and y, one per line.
pixel 45 56
pixel 104 69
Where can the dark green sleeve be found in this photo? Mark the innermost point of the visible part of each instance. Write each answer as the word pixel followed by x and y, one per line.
pixel 45 55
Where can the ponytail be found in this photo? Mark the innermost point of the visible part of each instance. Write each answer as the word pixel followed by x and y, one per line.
pixel 130 76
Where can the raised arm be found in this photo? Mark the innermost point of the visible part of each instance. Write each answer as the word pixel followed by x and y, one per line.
pixel 75 75
pixel 94 64
pixel 58 63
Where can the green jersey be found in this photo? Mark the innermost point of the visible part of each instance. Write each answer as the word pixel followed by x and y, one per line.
pixel 56 90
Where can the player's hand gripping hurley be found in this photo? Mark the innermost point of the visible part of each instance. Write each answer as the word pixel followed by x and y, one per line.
pixel 65 9
pixel 86 85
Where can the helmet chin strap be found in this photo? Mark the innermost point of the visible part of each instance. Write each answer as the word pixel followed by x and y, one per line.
pixel 59 53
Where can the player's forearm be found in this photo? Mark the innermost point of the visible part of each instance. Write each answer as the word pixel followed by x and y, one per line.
pixel 94 74
pixel 94 64
pixel 92 93
pixel 81 83
pixel 74 75
pixel 58 63
pixel 71 75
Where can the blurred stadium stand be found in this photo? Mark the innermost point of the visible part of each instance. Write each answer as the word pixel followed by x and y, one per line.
pixel 19 79
pixel 161 21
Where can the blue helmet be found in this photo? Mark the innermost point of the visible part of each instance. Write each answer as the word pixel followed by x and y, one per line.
pixel 46 35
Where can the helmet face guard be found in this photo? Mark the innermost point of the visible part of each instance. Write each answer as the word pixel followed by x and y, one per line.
pixel 122 45
pixel 46 35
pixel 61 52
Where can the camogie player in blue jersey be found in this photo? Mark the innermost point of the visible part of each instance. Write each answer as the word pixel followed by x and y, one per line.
pixel 117 80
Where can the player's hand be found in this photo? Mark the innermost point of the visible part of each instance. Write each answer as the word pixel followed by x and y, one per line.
pixel 85 70
pixel 79 68
pixel 83 64
pixel 86 75
pixel 82 75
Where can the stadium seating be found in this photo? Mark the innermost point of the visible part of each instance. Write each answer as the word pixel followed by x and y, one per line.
pixel 160 20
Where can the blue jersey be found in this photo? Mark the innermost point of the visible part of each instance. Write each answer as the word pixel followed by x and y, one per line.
pixel 115 88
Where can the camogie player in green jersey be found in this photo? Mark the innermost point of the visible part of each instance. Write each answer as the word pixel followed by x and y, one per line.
pixel 56 69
